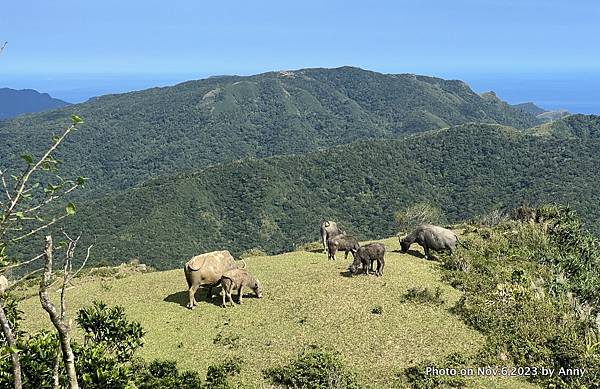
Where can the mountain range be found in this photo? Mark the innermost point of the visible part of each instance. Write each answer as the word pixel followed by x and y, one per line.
pixel 17 102
pixel 129 138
pixel 257 162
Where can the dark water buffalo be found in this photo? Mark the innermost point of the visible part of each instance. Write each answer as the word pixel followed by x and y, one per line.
pixel 237 279
pixel 329 229
pixel 342 243
pixel 430 237
pixel 366 255
pixel 206 270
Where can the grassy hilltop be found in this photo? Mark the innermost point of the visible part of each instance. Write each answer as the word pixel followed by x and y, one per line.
pixel 307 302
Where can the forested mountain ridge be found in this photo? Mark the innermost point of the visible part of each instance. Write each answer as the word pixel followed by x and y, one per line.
pixel 15 102
pixel 129 138
pixel 276 203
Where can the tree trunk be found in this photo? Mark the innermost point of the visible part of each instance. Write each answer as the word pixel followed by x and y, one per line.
pixel 10 339
pixel 64 329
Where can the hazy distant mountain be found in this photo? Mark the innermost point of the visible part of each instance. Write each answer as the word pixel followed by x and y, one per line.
pixel 131 137
pixel 15 102
pixel 530 108
pixel 542 114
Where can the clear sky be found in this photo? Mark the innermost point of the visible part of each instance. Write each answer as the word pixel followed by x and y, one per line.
pixel 451 38
pixel 182 36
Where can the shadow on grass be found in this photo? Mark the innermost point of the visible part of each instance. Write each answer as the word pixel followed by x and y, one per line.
pixel 182 299
pixel 414 253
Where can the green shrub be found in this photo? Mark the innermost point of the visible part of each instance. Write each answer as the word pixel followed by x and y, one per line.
pixel 217 375
pixel 315 369
pixel 423 295
pixel 110 327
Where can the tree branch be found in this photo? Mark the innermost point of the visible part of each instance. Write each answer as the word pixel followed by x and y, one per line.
pixel 12 343
pixel 20 184
pixel 38 229
pixel 51 198
pixel 63 328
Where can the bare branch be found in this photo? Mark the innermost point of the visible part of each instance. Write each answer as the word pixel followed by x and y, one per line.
pixel 51 198
pixel 38 229
pixel 24 278
pixel 63 328
pixel 23 263
pixel 5 186
pixel 89 249
pixel 3 46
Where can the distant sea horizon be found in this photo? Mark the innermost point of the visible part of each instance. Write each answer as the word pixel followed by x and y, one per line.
pixel 575 92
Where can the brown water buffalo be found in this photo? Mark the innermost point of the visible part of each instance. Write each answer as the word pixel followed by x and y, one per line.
pixel 238 279
pixel 366 255
pixel 329 229
pixel 206 270
pixel 430 237
pixel 343 243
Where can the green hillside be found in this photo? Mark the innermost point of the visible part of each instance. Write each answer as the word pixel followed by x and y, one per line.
pixel 129 138
pixel 307 302
pixel 276 203
pixel 574 126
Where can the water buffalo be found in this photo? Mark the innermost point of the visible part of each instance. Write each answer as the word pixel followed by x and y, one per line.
pixel 238 279
pixel 366 255
pixel 342 243
pixel 329 229
pixel 430 237
pixel 206 270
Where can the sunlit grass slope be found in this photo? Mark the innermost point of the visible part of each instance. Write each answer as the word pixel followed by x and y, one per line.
pixel 307 301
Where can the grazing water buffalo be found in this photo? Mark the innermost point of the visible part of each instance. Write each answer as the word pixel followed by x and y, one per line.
pixel 329 229
pixel 342 243
pixel 238 279
pixel 366 255
pixel 430 237
pixel 206 270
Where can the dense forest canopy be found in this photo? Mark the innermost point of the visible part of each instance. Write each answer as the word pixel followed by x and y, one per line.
pixel 132 137
pixel 277 203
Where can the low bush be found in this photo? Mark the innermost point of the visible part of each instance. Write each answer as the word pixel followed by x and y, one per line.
pixel 424 296
pixel 315 369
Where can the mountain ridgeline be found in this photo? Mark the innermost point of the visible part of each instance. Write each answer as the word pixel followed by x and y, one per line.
pixel 17 102
pixel 129 138
pixel 277 203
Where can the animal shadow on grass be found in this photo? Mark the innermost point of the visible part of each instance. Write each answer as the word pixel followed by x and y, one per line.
pixel 415 253
pixel 182 298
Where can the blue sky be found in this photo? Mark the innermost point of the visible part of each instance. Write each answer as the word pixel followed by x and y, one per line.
pixel 180 39
pixel 182 36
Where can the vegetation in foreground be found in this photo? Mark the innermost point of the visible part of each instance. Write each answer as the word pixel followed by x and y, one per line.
pixel 309 304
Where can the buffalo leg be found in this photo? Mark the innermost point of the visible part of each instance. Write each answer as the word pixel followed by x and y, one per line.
pixel 192 296
pixel 224 305
pixel 240 294
pixel 426 250
pixel 367 266
pixel 230 298
pixel 380 265
pixel 209 293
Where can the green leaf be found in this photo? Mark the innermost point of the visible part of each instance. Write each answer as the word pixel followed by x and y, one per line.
pixel 27 158
pixel 81 180
pixel 70 209
pixel 20 215
pixel 55 138
pixel 76 120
